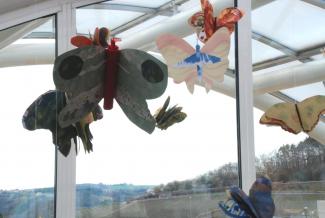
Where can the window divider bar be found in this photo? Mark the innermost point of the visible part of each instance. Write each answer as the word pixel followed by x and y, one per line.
pixel 244 97
pixel 65 166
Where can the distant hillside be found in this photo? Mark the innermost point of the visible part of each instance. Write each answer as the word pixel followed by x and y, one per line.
pixel 39 202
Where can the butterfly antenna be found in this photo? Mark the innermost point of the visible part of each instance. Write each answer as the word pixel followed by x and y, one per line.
pixel 90 37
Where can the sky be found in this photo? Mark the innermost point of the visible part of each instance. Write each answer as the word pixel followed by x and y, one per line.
pixel 123 153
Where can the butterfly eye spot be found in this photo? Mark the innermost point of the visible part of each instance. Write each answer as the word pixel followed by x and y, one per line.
pixel 152 72
pixel 70 67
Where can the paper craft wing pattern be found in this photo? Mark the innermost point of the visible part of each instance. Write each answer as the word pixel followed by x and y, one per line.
pixel 298 117
pixel 211 61
pixel 80 74
pixel 140 77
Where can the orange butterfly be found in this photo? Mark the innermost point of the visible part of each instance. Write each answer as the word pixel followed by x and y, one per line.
pixel 100 38
pixel 206 24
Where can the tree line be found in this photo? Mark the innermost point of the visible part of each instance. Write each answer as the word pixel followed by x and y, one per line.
pixel 304 161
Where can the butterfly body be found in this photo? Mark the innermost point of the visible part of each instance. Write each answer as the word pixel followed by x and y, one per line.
pixel 186 64
pixel 295 118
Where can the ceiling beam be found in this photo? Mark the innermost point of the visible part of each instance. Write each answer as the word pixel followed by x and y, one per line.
pixel 121 7
pixel 261 38
pixel 317 3
pixel 303 56
pixel 169 6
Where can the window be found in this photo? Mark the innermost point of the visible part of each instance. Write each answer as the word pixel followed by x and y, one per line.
pixel 27 157
pixel 295 163
pixel 179 172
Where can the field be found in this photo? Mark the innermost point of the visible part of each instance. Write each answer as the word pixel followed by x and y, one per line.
pixel 196 205
pixel 288 204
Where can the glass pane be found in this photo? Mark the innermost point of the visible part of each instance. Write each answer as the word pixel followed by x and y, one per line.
pixel 179 172
pixel 292 156
pixel 301 92
pixel 142 26
pixel 89 19
pixel 27 158
pixel 140 3
pixel 297 24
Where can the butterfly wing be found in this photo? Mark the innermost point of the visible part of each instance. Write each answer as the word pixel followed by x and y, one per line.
pixel 174 50
pixel 209 19
pixel 79 73
pixel 243 201
pixel 42 114
pixel 228 17
pixel 284 115
pixel 80 41
pixel 232 209
pixel 260 195
pixel 218 45
pixel 310 110
pixel 140 77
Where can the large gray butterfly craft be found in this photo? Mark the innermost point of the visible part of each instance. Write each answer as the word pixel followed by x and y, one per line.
pixel 79 77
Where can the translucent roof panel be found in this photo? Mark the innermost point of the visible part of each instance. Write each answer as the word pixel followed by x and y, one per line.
pixel 140 3
pixel 260 52
pixel 301 92
pixel 293 23
pixel 89 19
pixel 144 25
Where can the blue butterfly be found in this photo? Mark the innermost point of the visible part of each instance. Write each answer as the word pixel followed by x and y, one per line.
pixel 259 203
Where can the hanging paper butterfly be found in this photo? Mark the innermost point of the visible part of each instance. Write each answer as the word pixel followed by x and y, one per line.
pixel 198 59
pixel 86 75
pixel 302 116
pixel 206 24
pixel 190 66
pixel 168 117
pixel 89 73
pixel 43 113
pixel 259 203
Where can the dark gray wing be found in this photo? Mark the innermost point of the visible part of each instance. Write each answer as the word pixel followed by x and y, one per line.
pixel 141 76
pixel 80 74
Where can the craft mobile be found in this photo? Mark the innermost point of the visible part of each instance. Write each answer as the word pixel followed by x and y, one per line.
pixel 86 75
pixel 259 203
pixel 296 117
pixel 208 64
pixel 206 24
pixel 167 117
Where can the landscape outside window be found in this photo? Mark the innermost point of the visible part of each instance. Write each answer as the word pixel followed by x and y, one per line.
pixel 27 158
pixel 294 162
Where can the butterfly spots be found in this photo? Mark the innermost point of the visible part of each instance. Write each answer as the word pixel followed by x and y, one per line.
pixel 152 72
pixel 70 67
